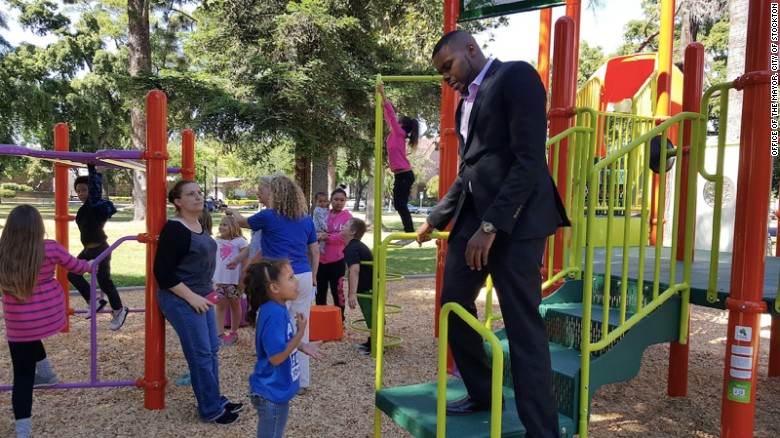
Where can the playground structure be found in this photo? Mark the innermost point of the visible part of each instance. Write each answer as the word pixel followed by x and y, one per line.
pixel 153 162
pixel 630 294
pixel 637 297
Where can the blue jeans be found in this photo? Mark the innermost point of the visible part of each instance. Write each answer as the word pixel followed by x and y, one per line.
pixel 271 417
pixel 198 336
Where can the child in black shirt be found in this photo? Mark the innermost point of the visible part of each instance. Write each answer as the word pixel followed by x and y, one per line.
pixel 358 275
pixel 91 218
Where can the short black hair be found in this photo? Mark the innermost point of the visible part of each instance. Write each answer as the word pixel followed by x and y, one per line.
pixel 446 39
pixel 84 179
pixel 319 195
pixel 358 227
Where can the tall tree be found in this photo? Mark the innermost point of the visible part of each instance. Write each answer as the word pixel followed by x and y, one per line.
pixel 695 14
pixel 4 44
pixel 140 59
pixel 738 15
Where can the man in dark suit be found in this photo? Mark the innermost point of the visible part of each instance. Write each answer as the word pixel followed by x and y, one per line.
pixel 504 205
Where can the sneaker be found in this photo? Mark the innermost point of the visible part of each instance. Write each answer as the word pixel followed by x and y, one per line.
pixel 228 339
pixel 403 242
pixel 184 380
pixel 363 351
pixel 101 304
pixel 118 318
pixel 234 407
pixel 226 418
pixel 40 381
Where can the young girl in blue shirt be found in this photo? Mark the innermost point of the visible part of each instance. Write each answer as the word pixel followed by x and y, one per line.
pixel 269 284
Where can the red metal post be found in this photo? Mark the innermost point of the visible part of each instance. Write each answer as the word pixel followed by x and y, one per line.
pixel 448 162
pixel 61 215
pixel 156 156
pixel 188 155
pixel 677 383
pixel 745 303
pixel 773 367
pixel 563 100
pixel 545 25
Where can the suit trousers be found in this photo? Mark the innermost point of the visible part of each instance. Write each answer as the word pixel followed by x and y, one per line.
pixel 515 270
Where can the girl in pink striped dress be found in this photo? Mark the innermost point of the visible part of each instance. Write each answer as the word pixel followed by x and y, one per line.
pixel 33 303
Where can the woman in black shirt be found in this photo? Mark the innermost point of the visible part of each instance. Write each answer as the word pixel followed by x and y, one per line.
pixel 183 267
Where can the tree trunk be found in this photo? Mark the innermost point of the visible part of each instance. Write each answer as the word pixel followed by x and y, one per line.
pixel 370 194
pixel 303 173
pixel 359 189
pixel 319 177
pixel 738 12
pixel 686 37
pixel 140 54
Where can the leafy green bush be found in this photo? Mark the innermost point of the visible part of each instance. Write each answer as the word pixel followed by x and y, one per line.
pixel 16 187
pixel 5 193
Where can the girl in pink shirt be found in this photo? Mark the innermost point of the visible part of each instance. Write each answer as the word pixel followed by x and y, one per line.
pixel 401 130
pixel 33 303
pixel 332 266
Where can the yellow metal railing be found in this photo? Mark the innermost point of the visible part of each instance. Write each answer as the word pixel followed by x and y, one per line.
pixel 497 373
pixel 589 96
pixel 716 178
pixel 644 101
pixel 631 154
pixel 615 132
pixel 378 312
pixel 581 141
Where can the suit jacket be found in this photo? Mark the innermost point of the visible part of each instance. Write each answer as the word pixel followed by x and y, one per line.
pixel 503 161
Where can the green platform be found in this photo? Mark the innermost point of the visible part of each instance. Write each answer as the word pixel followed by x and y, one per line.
pixel 700 271
pixel 414 408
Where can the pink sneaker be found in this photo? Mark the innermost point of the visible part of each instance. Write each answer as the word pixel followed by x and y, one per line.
pixel 228 339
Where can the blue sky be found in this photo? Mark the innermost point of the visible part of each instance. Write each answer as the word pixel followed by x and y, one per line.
pixel 519 40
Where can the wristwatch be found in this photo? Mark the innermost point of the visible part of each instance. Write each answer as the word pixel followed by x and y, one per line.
pixel 488 228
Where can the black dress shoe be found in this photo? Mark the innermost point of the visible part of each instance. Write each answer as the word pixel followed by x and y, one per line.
pixel 465 406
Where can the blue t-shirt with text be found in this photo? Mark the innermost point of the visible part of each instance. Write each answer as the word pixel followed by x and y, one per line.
pixel 278 384
pixel 285 238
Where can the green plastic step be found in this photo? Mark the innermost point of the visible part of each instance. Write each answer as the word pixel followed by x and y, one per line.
pixel 414 409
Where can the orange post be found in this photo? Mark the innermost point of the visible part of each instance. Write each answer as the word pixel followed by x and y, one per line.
pixel 156 156
pixel 564 95
pixel 545 25
pixel 677 383
pixel 573 8
pixel 448 162
pixel 664 105
pixel 745 303
pixel 61 215
pixel 188 155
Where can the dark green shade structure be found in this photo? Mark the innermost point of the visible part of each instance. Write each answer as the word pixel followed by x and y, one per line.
pixel 476 9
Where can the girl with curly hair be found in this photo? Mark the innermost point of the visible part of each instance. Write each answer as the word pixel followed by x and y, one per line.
pixel 288 233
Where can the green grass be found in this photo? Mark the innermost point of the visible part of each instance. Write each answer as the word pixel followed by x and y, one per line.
pixel 411 260
pixel 128 262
